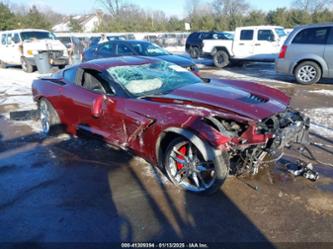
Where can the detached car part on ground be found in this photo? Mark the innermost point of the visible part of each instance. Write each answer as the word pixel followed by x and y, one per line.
pixel 197 131
pixel 20 47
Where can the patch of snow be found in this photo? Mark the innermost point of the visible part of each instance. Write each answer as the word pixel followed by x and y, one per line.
pixel 15 88
pixel 175 49
pixel 323 92
pixel 321 121
pixel 251 74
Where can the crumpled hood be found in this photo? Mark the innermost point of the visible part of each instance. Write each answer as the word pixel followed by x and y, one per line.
pixel 247 99
pixel 43 45
pixel 179 60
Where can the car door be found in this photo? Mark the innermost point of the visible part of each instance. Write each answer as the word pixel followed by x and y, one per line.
pixel 15 49
pixel 88 86
pixel 243 44
pixel 266 45
pixel 10 49
pixel 3 44
pixel 328 53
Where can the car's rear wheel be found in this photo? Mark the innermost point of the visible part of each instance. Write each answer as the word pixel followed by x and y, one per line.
pixel 50 122
pixel 308 73
pixel 221 59
pixel 2 64
pixel 194 52
pixel 187 168
pixel 26 65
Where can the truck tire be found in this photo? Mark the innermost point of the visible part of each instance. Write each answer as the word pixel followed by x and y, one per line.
pixel 26 65
pixel 221 59
pixel 194 52
pixel 308 73
pixel 3 64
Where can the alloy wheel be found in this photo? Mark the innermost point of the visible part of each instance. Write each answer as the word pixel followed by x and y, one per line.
pixel 187 168
pixel 44 117
pixel 307 73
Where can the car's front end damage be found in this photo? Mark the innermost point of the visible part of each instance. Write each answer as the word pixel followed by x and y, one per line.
pixel 252 144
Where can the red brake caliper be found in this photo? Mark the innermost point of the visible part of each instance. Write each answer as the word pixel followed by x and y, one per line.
pixel 182 150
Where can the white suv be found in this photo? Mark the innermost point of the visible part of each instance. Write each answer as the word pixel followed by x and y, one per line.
pixel 18 47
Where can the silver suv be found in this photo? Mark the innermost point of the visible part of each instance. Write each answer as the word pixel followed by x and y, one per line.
pixel 308 53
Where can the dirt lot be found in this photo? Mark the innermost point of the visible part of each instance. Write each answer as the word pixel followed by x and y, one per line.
pixel 64 189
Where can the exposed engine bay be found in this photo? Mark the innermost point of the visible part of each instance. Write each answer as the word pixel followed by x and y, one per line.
pixel 283 130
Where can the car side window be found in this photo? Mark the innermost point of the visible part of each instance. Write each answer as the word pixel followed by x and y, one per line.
pixel 330 37
pixel 9 39
pixel 91 82
pixel 265 35
pixel 124 50
pixel 70 75
pixel 16 38
pixel 3 39
pixel 312 36
pixel 246 35
pixel 106 48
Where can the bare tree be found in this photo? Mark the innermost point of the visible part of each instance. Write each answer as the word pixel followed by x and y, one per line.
pixel 112 6
pixel 230 13
pixel 312 5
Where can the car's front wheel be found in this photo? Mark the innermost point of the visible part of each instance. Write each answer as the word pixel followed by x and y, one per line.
pixel 26 65
pixel 49 119
pixel 308 73
pixel 186 167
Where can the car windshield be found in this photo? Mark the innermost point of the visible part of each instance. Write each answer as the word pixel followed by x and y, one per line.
pixel 29 35
pixel 280 32
pixel 148 49
pixel 152 78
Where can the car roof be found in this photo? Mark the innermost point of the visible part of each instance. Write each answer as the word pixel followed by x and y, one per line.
pixel 103 64
pixel 315 25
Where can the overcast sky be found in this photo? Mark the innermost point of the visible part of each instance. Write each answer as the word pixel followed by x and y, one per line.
pixel 170 7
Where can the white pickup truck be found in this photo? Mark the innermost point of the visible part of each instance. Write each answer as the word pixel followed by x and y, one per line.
pixel 19 47
pixel 255 43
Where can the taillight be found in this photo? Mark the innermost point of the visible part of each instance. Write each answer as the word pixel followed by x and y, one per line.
pixel 283 52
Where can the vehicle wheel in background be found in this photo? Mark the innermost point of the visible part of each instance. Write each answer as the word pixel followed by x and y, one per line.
pixel 187 168
pixel 2 64
pixel 26 65
pixel 307 73
pixel 194 52
pixel 221 59
pixel 49 118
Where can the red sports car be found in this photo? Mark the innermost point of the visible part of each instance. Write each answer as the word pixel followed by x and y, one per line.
pixel 197 130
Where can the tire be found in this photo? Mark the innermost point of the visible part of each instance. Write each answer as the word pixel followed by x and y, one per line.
pixel 194 52
pixel 3 64
pixel 49 118
pixel 26 65
pixel 194 177
pixel 307 73
pixel 221 59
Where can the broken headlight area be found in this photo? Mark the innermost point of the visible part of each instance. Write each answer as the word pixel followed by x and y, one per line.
pixel 281 130
pixel 228 128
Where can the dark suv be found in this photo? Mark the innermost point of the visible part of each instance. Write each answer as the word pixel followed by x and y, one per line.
pixel 194 43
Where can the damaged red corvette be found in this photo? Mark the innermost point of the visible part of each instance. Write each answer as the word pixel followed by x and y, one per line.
pixel 197 130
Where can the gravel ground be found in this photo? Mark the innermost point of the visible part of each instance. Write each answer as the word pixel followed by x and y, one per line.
pixel 63 189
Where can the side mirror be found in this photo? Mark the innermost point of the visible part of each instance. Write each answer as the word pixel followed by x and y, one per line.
pixel 97 106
